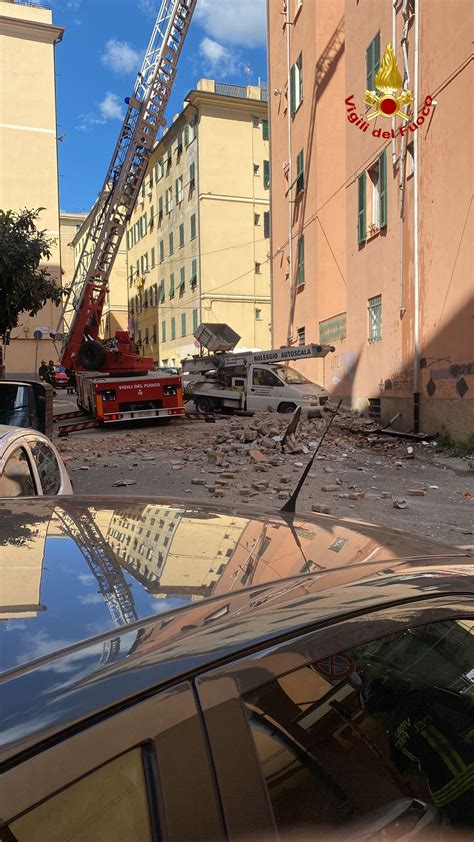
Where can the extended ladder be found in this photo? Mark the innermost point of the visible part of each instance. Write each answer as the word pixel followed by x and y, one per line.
pixel 115 203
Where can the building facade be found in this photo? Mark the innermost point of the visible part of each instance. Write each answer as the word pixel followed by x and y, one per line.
pixel 402 315
pixel 28 152
pixel 198 239
pixel 114 316
pixel 69 225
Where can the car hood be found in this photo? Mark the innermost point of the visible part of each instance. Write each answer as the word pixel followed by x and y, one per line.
pixel 71 569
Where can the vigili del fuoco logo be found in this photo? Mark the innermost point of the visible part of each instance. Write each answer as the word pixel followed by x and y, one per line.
pixel 386 103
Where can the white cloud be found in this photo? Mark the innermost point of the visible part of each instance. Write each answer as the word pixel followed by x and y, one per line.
pixel 218 60
pixel 243 22
pixel 120 57
pixel 111 107
pixel 150 7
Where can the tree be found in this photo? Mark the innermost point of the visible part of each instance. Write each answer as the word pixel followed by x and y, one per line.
pixel 24 287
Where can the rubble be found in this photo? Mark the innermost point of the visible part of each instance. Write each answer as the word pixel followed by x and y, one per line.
pixel 416 492
pixel 323 510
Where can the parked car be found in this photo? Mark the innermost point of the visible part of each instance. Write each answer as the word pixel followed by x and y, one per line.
pixel 61 379
pixel 190 672
pixel 30 464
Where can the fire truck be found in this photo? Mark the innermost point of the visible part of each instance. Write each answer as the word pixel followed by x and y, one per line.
pixel 113 381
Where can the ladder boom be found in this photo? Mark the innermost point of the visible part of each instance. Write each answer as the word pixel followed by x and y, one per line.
pixel 115 203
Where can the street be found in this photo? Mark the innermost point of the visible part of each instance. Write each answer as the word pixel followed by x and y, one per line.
pixel 350 476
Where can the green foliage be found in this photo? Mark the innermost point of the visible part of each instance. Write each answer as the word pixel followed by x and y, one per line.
pixel 24 287
pixel 455 448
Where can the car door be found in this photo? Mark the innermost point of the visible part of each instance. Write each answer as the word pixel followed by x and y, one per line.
pixel 265 390
pixel 139 775
pixel 362 729
pixel 50 473
pixel 17 475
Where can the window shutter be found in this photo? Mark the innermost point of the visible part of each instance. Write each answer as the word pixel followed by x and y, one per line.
pixel 361 221
pixel 172 285
pixel 293 89
pixel 300 78
pixel 383 188
pixel 300 267
pixel 266 224
pixel 183 324
pixel 195 320
pixel 265 129
pixel 266 174
pixel 173 327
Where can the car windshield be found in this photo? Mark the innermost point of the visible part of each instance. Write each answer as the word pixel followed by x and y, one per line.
pixel 290 375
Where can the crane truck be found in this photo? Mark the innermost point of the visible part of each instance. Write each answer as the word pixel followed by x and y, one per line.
pixel 113 381
pixel 229 380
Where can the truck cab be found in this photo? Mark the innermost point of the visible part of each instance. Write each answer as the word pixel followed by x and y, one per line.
pixel 281 388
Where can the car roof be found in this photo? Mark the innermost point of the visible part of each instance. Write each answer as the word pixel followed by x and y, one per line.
pixel 94 588
pixel 10 431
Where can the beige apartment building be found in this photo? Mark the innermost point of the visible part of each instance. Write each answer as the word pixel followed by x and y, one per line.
pixel 69 225
pixel 198 239
pixel 115 314
pixel 28 153
pixel 385 270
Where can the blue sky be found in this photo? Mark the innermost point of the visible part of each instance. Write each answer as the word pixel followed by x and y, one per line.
pixel 96 65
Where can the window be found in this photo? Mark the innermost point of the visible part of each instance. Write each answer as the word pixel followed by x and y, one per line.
pixel 109 803
pixel 169 158
pixel 179 189
pixel 186 135
pixel 266 174
pixel 265 129
pixel 160 169
pixel 171 243
pixel 192 176
pixel 145 299
pixel 332 330
pixel 258 268
pixel 299 172
pixel 338 754
pixel 361 209
pixel 163 331
pixel 372 62
pixel 16 479
pixel 162 251
pixel 193 226
pixel 153 261
pixel 296 85
pixel 301 335
pixel 300 263
pixel 256 219
pixel 151 179
pixel 193 273
pixel 160 209
pixel 375 318
pixel 378 198
pixel 155 294
pixel 195 320
pixel 264 377
pixel 169 200
pixel 179 147
pixel 162 291
pixel 258 315
pixel 172 285
pixel 152 217
pixel 410 164
pixel 183 324
pixel 266 224
pixel 153 337
pixel 255 122
pixel 182 281
pixel 173 327
pixel 181 235
pixel 147 337
pixel 256 169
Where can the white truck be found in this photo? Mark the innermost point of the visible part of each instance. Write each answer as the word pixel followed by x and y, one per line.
pixel 261 380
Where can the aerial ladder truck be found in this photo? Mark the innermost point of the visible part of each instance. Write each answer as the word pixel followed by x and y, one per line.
pixel 113 381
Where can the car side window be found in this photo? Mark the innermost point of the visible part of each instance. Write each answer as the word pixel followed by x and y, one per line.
pixel 109 804
pixel 47 465
pixel 263 377
pixel 375 740
pixel 16 479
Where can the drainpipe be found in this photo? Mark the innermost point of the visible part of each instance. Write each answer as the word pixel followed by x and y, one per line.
pixel 394 41
pixel 416 267
pixel 403 146
pixel 290 174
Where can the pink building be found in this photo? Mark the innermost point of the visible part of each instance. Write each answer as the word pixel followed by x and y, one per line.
pixel 385 272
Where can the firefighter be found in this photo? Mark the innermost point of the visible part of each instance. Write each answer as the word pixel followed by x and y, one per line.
pixel 43 371
pixel 431 733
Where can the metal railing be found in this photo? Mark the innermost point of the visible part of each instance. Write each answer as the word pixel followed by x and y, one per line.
pixel 239 91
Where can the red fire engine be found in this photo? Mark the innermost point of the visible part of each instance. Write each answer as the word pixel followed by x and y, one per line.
pixel 113 381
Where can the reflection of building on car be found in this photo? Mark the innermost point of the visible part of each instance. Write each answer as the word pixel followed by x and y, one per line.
pixel 164 644
pixel 30 465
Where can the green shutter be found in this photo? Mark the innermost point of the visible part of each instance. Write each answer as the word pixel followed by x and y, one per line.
pixel 171 243
pixel 193 273
pixel 293 89
pixel 181 235
pixel 182 280
pixel 265 129
pixel 300 80
pixel 186 135
pixel 383 188
pixel 173 327
pixel 183 324
pixel 372 61
pixel 361 203
pixel 163 331
pixel 195 320
pixel 266 174
pixel 192 176
pixel 162 291
pixel 172 285
pixel 266 224
pixel 300 172
pixel 193 226
pixel 300 267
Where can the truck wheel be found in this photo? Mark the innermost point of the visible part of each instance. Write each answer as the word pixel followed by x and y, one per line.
pixel 287 408
pixel 203 406
pixel 91 355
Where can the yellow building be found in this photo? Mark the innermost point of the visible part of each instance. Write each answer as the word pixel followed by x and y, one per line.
pixel 114 316
pixel 69 225
pixel 28 153
pixel 198 239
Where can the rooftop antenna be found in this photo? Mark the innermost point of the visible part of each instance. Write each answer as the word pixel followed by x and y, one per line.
pixel 290 505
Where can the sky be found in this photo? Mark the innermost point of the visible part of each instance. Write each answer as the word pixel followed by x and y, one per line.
pixel 96 65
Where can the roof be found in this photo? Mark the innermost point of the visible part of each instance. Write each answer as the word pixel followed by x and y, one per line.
pixel 95 592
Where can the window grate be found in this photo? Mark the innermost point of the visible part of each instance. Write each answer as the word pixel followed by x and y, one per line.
pixel 375 319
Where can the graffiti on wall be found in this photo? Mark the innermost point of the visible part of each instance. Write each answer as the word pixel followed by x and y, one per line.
pixel 446 378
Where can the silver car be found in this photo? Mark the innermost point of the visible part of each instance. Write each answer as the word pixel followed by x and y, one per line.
pixel 30 465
